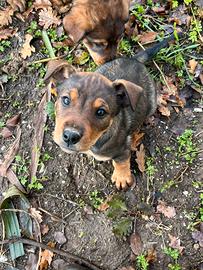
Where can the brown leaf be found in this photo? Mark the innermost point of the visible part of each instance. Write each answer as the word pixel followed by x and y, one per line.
pixel 27 49
pixel 39 127
pixel 44 229
pixel 7 32
pixel 171 88
pixel 201 78
pixel 136 244
pixel 147 37
pixel 175 243
pixel 46 257
pixel 47 17
pixel 6 16
pixel 14 180
pixel 141 158
pixel 167 211
pixel 151 255
pixel 198 236
pixel 104 206
pixel 158 9
pixel 11 153
pixel 192 65
pixel 6 133
pixel 164 110
pixel 36 213
pixel 136 139
pixel 17 4
pixel 13 121
pixel 38 4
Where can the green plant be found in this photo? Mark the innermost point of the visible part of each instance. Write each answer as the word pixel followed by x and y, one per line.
pixel 50 109
pixel 33 29
pixel 175 3
pixel 123 226
pixel 195 30
pixel 186 146
pixel 171 252
pixel 125 47
pixel 35 184
pixel 142 263
pixel 174 266
pixel 4 44
pixel 2 124
pixel 150 167
pixel 187 2
pixel 21 169
pixel 117 207
pixel 167 185
pixel 95 199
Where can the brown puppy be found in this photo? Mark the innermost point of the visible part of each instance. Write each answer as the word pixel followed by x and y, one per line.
pixel 100 23
pixel 97 113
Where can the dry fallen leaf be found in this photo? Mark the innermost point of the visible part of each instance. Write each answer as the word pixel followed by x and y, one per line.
pixel 136 244
pixel 198 236
pixel 44 229
pixel 27 49
pixel 147 37
pixel 175 243
pixel 6 16
pixel 17 4
pixel 164 110
pixel 141 158
pixel 151 255
pixel 7 32
pixel 47 17
pixel 10 155
pixel 6 133
pixel 136 139
pixel 201 78
pixel 36 213
pixel 170 88
pixel 192 65
pixel 13 121
pixel 104 206
pixel 39 127
pixel 46 257
pixel 158 9
pixel 38 4
pixel 167 211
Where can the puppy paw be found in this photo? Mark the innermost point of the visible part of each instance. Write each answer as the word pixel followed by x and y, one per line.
pixel 122 180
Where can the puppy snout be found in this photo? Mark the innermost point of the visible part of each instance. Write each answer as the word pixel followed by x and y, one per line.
pixel 71 137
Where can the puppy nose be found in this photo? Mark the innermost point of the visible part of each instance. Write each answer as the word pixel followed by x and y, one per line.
pixel 71 137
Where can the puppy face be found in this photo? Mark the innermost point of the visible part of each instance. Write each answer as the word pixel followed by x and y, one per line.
pixel 100 23
pixel 85 109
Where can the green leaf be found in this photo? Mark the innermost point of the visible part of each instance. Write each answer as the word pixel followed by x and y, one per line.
pixel 12 230
pixel 123 227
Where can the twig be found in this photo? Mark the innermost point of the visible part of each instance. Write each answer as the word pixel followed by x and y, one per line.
pixel 63 253
pixel 48 44
pixel 51 215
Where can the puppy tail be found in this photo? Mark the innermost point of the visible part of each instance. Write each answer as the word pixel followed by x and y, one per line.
pixel 148 54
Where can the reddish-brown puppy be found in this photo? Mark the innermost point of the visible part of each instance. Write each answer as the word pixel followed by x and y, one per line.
pixel 100 23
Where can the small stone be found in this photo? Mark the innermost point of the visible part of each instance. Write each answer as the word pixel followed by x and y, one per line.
pixel 196 246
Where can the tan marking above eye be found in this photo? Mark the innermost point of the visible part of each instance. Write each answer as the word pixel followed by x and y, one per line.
pixel 99 102
pixel 74 94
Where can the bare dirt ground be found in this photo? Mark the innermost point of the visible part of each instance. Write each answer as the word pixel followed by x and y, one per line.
pixel 75 185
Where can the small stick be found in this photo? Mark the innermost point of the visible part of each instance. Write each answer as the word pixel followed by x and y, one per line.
pixel 66 254
pixel 48 44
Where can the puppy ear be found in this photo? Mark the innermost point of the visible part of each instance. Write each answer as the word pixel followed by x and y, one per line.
pixel 128 93
pixel 73 28
pixel 59 70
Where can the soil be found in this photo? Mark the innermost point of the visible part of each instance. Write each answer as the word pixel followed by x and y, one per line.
pixel 71 179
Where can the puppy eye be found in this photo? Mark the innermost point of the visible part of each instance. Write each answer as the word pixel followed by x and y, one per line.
pixel 65 101
pixel 100 113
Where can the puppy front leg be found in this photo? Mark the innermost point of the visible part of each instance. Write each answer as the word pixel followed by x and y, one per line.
pixel 122 175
